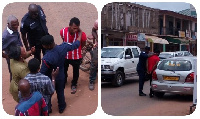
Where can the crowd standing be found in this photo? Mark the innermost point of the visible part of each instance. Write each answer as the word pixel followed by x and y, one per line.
pixel 31 85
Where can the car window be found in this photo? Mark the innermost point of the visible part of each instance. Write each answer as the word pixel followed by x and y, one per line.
pixel 175 65
pixel 135 52
pixel 112 52
pixel 128 52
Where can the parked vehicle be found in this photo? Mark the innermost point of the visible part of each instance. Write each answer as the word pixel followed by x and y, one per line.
pixel 174 75
pixel 165 55
pixel 119 63
pixel 183 53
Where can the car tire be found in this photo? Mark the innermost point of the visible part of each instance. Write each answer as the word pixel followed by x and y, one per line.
pixel 159 94
pixel 118 79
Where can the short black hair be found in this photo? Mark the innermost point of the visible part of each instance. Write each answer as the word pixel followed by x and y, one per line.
pixel 74 20
pixel 34 65
pixel 14 52
pixel 47 40
pixel 147 48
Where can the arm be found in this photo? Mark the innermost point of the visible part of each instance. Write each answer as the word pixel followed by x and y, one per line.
pixel 94 33
pixel 147 67
pixel 25 41
pixel 30 52
pixel 54 74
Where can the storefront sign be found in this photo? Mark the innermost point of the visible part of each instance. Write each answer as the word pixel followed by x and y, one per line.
pixel 181 34
pixel 131 37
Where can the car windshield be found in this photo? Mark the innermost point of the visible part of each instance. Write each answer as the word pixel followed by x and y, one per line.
pixel 175 65
pixel 165 55
pixel 112 52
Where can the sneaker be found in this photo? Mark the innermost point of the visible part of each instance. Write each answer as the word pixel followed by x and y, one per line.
pixel 91 86
pixel 73 90
pixel 62 110
pixel 142 94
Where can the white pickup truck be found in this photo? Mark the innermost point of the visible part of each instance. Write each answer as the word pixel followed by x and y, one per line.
pixel 119 63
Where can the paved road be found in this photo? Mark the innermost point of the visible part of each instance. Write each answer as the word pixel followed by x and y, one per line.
pixel 125 101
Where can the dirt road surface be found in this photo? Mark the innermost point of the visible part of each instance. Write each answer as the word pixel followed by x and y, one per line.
pixel 84 102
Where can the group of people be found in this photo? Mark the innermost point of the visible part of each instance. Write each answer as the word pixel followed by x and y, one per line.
pixel 147 64
pixel 31 85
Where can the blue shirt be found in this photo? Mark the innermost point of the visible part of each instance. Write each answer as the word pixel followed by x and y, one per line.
pixel 55 58
pixel 142 61
pixel 10 38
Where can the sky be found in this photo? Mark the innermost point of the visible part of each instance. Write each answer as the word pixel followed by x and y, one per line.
pixel 172 6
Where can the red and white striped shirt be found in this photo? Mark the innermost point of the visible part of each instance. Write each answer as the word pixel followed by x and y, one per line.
pixel 75 54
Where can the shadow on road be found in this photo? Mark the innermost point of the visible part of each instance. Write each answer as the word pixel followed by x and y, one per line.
pixel 126 82
pixel 175 97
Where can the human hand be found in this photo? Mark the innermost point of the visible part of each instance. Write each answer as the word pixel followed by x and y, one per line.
pixel 55 72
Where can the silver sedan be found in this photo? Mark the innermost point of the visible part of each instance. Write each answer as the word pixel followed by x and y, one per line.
pixel 174 75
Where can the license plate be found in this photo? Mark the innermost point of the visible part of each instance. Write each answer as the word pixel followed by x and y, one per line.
pixel 171 78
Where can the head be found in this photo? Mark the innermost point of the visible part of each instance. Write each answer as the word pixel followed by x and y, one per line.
pixel 33 11
pixel 147 49
pixel 12 23
pixel 34 65
pixel 74 25
pixel 47 42
pixel 157 52
pixel 96 24
pixel 24 87
pixel 16 52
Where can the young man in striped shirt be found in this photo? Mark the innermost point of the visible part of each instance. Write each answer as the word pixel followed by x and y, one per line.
pixel 70 35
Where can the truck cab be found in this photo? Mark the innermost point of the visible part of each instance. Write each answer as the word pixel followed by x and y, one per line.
pixel 119 63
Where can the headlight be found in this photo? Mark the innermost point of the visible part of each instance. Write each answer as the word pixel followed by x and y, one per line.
pixel 108 67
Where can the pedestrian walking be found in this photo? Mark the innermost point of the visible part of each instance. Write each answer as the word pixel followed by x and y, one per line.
pixel 10 37
pixel 70 35
pixel 54 58
pixel 152 62
pixel 33 27
pixel 32 104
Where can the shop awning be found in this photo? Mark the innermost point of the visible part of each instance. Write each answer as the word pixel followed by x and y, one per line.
pixel 183 40
pixel 173 40
pixel 155 39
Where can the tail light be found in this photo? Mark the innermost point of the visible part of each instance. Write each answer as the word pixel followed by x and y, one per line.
pixel 190 78
pixel 154 76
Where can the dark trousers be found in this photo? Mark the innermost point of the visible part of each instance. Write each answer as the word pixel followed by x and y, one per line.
pixel 8 62
pixel 75 64
pixel 94 64
pixel 59 86
pixel 141 74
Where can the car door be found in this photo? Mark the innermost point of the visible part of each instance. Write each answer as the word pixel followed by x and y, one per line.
pixel 128 62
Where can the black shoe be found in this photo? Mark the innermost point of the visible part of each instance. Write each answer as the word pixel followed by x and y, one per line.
pixel 61 110
pixel 142 94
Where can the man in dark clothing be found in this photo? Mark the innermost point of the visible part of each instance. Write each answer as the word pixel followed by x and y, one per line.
pixel 55 57
pixel 33 27
pixel 10 37
pixel 141 69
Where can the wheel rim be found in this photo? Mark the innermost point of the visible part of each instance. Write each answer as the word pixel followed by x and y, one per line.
pixel 119 79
